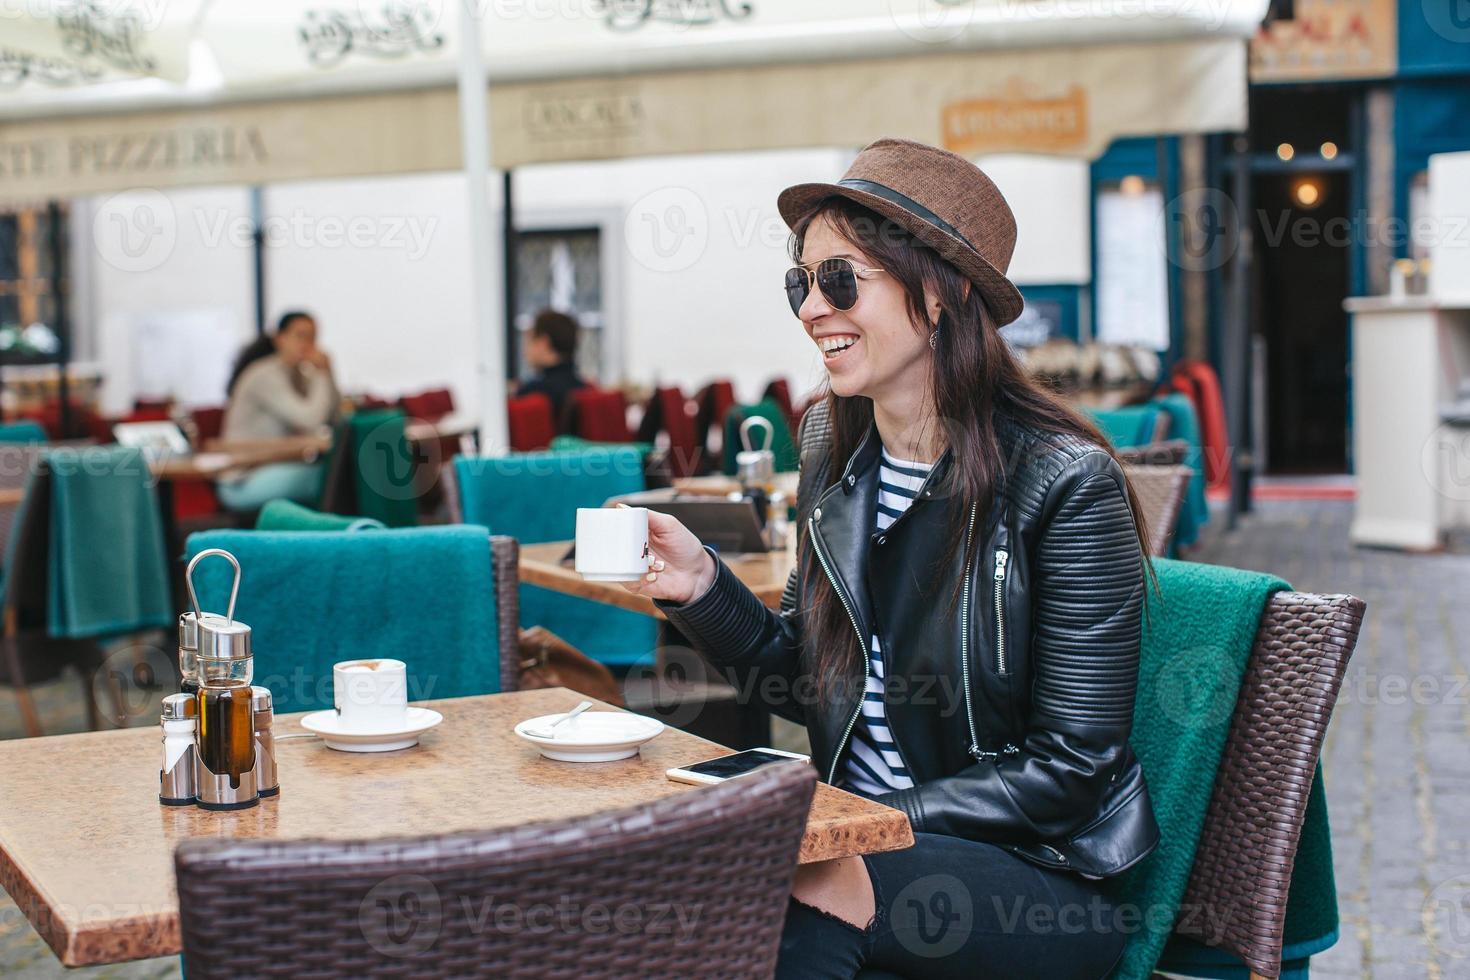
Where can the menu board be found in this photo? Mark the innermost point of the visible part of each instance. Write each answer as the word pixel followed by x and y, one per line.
pixel 1132 269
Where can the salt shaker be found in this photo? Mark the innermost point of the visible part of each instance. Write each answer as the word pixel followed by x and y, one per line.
pixel 263 714
pixel 176 785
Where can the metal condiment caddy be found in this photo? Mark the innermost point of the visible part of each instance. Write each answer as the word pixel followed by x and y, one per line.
pixel 218 748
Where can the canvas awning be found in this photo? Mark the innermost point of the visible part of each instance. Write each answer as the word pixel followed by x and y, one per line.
pixel 253 91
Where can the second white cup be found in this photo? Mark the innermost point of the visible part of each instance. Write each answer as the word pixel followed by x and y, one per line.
pixel 370 695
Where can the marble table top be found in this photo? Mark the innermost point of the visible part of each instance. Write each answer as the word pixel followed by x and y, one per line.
pixel 86 850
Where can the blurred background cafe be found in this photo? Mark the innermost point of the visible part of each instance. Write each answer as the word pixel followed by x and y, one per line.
pixel 461 243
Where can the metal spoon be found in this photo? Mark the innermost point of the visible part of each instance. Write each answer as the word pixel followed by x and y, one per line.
pixel 548 733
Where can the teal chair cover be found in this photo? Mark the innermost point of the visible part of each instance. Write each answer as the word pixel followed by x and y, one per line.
pixel 425 596
pixel 533 497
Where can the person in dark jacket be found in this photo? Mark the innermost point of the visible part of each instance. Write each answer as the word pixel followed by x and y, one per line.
pixel 961 634
pixel 551 348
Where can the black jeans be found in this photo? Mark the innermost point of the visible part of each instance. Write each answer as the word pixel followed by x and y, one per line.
pixel 948 907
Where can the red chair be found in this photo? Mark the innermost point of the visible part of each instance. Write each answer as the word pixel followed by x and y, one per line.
pixel 530 422
pixel 600 415
pixel 441 402
pixel 715 401
pixel 1198 381
pixel 209 423
pixel 85 422
pixel 430 405
pixel 668 411
pixel 163 405
pixel 779 391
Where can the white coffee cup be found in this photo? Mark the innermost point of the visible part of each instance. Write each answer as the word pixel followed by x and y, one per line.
pixel 612 543
pixel 370 695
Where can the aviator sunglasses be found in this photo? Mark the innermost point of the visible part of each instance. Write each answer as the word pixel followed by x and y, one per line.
pixel 837 278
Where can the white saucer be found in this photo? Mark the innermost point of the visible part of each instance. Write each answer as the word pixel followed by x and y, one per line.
pixel 594 736
pixel 418 721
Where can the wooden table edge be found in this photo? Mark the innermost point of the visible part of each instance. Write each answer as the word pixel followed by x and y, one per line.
pixel 95 945
pixel 535 570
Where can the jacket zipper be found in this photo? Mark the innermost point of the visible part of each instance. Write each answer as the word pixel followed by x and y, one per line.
pixel 1000 617
pixel 811 528
pixel 974 749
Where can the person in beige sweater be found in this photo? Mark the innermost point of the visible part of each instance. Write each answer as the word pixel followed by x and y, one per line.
pixel 281 386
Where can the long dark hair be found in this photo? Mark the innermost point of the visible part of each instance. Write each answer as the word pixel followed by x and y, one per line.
pixel 975 378
pixel 264 345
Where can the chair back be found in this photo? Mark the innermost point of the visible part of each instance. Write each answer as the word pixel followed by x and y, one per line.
pixel 387 483
pixel 433 404
pixel 24 535
pixel 107 566
pixel 723 856
pixel 533 497
pixel 531 421
pixel 715 401
pixel 22 431
pixel 1160 491
pixel 433 597
pixel 1248 846
pixel 600 415
pixel 781 442
pixel 1197 379
pixel 668 411
pixel 209 424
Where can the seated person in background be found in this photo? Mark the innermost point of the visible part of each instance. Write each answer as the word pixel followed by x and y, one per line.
pixel 281 386
pixel 551 347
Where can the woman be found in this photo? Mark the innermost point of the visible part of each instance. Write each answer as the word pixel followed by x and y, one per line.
pixel 961 634
pixel 281 386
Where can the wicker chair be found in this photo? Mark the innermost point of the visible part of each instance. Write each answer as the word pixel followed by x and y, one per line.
pixel 689 885
pixel 1248 843
pixel 1160 491
pixel 505 562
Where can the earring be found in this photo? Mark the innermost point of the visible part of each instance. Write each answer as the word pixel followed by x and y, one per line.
pixel 934 340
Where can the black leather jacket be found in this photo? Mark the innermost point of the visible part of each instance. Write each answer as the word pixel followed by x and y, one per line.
pixel 1011 712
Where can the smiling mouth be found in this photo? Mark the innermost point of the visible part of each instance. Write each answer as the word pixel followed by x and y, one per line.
pixel 832 347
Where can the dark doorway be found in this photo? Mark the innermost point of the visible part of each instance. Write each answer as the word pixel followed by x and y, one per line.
pixel 1303 269
pixel 1303 142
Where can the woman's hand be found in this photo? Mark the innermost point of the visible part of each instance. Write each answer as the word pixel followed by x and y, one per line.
pixel 681 570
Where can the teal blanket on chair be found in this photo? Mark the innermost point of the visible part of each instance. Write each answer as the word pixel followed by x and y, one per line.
pixel 384 468
pixel 287 515
pixel 1197 641
pixel 533 497
pixel 425 596
pixel 1183 424
pixel 782 444
pixel 22 430
pixel 107 567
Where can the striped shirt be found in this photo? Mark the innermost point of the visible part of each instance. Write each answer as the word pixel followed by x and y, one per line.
pixel 874 766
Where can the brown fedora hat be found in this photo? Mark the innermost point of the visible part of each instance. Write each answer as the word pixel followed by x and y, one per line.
pixel 943 199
